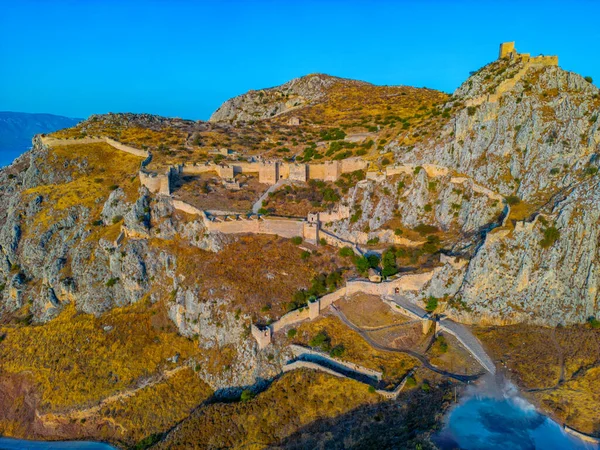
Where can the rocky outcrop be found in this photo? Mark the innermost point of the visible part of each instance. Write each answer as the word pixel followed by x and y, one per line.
pixel 267 103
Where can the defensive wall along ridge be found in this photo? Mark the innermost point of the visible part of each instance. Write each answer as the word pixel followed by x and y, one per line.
pixel 410 282
pixel 508 52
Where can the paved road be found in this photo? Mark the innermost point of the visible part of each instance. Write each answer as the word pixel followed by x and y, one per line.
pixel 469 341
pixel 416 355
pixel 460 332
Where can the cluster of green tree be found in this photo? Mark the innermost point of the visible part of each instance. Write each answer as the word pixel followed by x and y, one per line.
pixel 320 285
pixel 349 179
pixel 333 134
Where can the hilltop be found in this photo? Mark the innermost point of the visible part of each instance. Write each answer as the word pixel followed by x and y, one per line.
pixel 316 244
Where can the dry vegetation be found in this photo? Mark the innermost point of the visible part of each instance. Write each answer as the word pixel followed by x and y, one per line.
pixel 369 311
pixel 558 368
pixel 257 274
pixel 75 361
pixel 92 171
pixel 355 349
pixel 206 191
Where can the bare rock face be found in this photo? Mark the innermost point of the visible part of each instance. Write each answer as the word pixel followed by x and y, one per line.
pixel 539 142
pixel 518 276
pixel 266 103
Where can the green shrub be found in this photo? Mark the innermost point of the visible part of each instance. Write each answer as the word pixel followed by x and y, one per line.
pixel 321 340
pixel 398 232
pixel 471 110
pixel 554 171
pixel 373 241
pixel 332 135
pixel 588 79
pixel 424 229
pixel 594 323
pixel 425 387
pixel 265 308
pixel 410 381
pixel 551 235
pixel 442 344
pixel 296 240
pixel 513 200
pixel 247 395
pixel 428 207
pixel 117 219
pixel 114 187
pixel 372 389
pixel 591 170
pixel 305 254
pixel 337 351
pixel 292 332
pixel 111 282
pixel 346 252
pixel 432 304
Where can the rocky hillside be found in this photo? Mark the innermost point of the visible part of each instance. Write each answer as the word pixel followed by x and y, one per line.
pixel 491 192
pixel 267 103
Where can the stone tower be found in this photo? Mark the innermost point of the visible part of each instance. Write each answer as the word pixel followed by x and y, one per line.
pixel 506 49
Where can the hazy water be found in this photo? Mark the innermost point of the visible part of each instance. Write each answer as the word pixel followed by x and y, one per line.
pixel 19 444
pixel 492 416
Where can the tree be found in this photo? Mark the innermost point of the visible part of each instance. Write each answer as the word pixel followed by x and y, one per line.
pixel 296 240
pixel 346 252
pixel 589 79
pixel 362 264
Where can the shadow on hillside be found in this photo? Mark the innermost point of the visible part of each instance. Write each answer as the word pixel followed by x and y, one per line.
pixel 402 423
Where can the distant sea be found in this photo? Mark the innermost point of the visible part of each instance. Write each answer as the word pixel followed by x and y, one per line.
pixel 18 128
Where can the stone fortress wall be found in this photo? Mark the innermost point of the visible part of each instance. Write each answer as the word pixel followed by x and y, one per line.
pixel 508 51
pixel 309 229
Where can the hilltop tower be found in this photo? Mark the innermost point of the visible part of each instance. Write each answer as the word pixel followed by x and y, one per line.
pixel 507 49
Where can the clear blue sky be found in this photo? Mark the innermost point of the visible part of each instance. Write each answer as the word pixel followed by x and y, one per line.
pixel 184 58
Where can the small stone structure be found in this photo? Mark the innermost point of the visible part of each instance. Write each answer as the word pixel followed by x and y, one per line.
pixel 374 275
pixel 262 335
pixel 293 121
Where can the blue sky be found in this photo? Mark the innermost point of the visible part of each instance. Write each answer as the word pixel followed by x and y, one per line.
pixel 184 58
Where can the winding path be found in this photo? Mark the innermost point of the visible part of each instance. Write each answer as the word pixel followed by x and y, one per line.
pixel 414 354
pixel 460 332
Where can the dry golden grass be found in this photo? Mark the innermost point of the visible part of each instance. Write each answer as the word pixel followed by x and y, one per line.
pixel 393 365
pixel 157 408
pixel 453 358
pixel 95 169
pixel 291 402
pixel 74 362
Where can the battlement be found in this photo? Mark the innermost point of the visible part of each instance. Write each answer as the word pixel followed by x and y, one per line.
pixel 508 51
